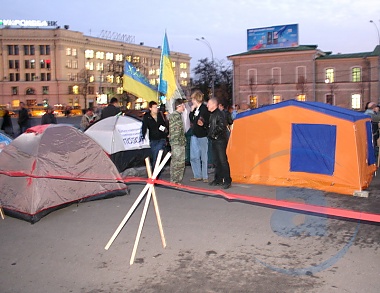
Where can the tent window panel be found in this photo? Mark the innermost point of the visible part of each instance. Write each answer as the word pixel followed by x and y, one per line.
pixel 313 148
pixel 370 146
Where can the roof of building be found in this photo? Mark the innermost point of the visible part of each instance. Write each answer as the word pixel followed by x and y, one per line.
pixel 327 109
pixel 279 50
pixel 375 52
pixel 327 54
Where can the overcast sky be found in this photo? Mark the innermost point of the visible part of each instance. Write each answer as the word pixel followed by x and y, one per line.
pixel 334 25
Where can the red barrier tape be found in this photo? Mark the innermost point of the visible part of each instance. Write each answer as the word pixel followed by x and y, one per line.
pixel 329 211
pixel 334 212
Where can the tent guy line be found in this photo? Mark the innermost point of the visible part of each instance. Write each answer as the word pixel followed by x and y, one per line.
pixel 273 203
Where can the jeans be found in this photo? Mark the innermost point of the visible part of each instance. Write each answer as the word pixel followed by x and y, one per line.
pixel 222 167
pixel 155 147
pixel 199 156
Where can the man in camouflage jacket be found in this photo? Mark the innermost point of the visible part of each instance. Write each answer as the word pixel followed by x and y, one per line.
pixel 177 142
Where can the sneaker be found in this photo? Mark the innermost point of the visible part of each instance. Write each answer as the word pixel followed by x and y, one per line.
pixel 195 179
pixel 226 185
pixel 205 180
pixel 214 183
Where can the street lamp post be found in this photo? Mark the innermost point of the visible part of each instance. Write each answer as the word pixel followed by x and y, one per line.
pixel 207 43
pixel 378 61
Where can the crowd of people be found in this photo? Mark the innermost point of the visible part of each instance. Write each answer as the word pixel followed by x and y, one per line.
pixel 209 125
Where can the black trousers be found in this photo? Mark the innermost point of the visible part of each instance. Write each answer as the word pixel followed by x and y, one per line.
pixel 222 167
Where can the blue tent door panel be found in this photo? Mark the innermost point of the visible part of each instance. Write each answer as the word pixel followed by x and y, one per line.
pixel 313 148
pixel 370 145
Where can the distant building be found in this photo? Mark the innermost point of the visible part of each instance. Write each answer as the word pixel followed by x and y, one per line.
pixel 305 73
pixel 57 66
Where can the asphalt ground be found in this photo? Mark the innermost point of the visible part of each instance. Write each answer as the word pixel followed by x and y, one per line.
pixel 213 245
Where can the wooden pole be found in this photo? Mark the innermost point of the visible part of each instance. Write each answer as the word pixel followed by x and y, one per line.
pixel 1 213
pixel 155 203
pixel 139 230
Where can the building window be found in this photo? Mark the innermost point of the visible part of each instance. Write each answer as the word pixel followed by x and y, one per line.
pixel 13 50
pixel 252 76
pixel 329 76
pixel 120 90
pixel 33 76
pixel 183 65
pixel 99 66
pixel 68 63
pixel 119 79
pixel 43 76
pixel 74 64
pixel 17 77
pixel 14 90
pixel 68 51
pixel 32 64
pixel 253 102
pixel 27 76
pixel 11 64
pixel 91 78
pixel 48 76
pixel 276 75
pixel 99 55
pixel 330 99
pixel 17 64
pixel 119 57
pixel 44 49
pixel 11 77
pixel 27 64
pixel 136 59
pixel 76 90
pixel 183 82
pixel 75 77
pixel 29 50
pixel 300 73
pixel 356 75
pixel 30 91
pixel 89 65
pixel 301 97
pixel 173 64
pixel 89 54
pixel 48 63
pixel 356 101
pixel 74 52
pixel 276 99
pixel 110 78
pixel 45 90
pixel 109 56
pixel 91 90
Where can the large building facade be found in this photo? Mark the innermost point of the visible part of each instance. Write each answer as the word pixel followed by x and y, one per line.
pixel 58 66
pixel 305 73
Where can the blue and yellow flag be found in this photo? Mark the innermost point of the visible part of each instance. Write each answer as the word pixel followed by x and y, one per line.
pixel 168 84
pixel 137 84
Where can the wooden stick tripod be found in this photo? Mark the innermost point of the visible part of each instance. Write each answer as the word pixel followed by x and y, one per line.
pixel 149 187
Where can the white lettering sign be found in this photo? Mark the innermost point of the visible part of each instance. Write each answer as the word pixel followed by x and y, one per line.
pixel 131 136
pixel 27 23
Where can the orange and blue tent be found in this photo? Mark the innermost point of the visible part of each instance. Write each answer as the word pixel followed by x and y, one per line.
pixel 303 144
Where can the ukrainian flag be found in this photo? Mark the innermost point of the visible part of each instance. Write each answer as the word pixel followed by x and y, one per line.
pixel 168 84
pixel 137 84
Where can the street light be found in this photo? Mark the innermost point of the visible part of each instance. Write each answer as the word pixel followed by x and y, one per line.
pixel 378 61
pixel 207 43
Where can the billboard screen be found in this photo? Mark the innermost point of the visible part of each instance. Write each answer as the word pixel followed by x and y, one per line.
pixel 274 37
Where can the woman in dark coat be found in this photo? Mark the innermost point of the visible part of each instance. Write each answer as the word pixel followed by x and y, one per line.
pixel 7 126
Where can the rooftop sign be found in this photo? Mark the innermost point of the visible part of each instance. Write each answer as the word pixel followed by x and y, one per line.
pixel 281 36
pixel 27 23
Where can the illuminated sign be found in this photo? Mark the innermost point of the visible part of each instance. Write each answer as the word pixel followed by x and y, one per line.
pixel 27 23
pixel 274 37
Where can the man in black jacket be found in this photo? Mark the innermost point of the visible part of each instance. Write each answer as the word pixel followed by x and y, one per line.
pixel 155 121
pixel 111 110
pixel 218 135
pixel 23 118
pixel 48 117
